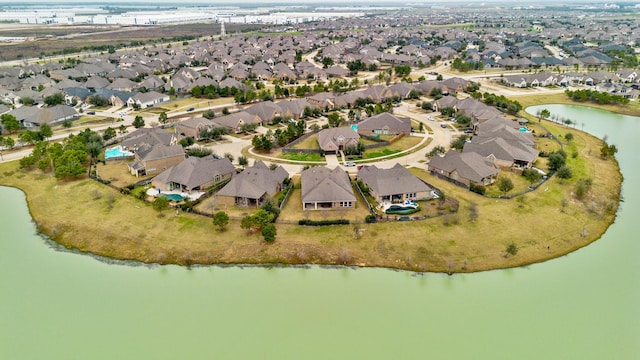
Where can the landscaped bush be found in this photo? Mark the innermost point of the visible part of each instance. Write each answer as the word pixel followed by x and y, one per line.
pixel 323 222
pixel 370 219
pixel 478 189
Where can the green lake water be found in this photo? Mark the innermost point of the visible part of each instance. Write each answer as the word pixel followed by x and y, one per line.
pixel 586 305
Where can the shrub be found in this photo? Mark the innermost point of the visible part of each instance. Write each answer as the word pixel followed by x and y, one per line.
pixel 370 219
pixel 323 222
pixel 511 249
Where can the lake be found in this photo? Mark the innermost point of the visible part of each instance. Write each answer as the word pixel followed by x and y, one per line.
pixel 56 304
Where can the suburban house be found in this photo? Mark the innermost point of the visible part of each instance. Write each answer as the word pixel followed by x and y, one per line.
pixel 149 136
pixel 194 174
pixel 193 127
pixel 337 139
pixel 154 159
pixel 325 189
pixel 463 169
pixel 148 99
pixel 265 110
pixel 253 186
pixel 384 124
pixel 33 117
pixel 504 153
pixel 234 121
pixel 394 185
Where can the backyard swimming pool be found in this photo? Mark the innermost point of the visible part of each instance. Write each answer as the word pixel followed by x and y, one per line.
pixel 116 152
pixel 173 197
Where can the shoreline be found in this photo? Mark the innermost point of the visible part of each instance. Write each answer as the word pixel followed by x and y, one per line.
pixel 292 248
pixel 446 249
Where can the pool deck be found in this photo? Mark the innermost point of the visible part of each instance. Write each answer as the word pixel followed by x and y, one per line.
pixel 193 196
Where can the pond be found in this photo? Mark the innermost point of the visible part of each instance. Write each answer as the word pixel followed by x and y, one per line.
pixel 56 304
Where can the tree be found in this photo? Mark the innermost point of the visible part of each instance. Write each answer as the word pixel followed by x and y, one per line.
pixel 109 133
pixel 27 101
pixel 229 156
pixel 8 142
pixel 531 175
pixel 220 219
pixel 607 150
pixel 512 249
pixel 55 99
pixel 122 129
pixel 326 62
pixel 225 111
pixel 505 185
pixel 138 122
pixel 209 114
pixel 27 137
pixel 270 206
pixel 568 137
pixel 45 131
pixel 544 114
pixel 160 203
pixel 10 123
pixel 269 233
pixel 459 142
pixel 163 118
pixel 564 172
pixel 334 119
pixel 556 160
pixel 243 161
pixel 98 100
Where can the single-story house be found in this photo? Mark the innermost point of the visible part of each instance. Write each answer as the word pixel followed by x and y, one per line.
pixel 149 136
pixel 463 169
pixel 234 121
pixel 394 185
pixel 194 174
pixel 325 189
pixel 194 126
pixel 337 139
pixel 253 186
pixel 148 99
pixel 384 124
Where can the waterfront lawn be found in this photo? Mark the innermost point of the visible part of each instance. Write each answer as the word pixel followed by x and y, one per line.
pixel 292 211
pixel 548 222
pixel 117 172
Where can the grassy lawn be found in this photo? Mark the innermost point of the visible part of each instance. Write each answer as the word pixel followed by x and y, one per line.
pixel 292 212
pixel 547 223
pixel 309 143
pixel 315 157
pixel 520 184
pixel 118 173
pixel 406 142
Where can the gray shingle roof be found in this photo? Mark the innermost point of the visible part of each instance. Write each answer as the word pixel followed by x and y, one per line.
pixel 469 165
pixel 194 171
pixel 255 182
pixel 397 180
pixel 321 184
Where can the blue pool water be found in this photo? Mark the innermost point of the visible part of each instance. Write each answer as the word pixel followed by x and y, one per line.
pixel 523 129
pixel 173 197
pixel 116 152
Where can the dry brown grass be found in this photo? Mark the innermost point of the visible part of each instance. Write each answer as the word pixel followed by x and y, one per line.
pixel 91 217
pixel 118 173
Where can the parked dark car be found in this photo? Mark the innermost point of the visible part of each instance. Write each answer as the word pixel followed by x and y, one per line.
pixel 190 109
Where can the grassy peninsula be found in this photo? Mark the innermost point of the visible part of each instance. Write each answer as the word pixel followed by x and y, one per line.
pixel 543 224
